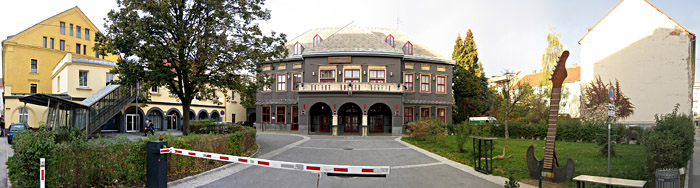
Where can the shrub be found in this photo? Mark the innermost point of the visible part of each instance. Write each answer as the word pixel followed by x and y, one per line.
pixel 602 142
pixel 462 132
pixel 75 161
pixel 430 130
pixel 670 144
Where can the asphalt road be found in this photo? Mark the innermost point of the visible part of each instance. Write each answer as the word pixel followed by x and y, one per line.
pixel 410 168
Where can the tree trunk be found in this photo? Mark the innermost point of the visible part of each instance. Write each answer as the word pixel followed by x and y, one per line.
pixel 186 117
pixel 506 125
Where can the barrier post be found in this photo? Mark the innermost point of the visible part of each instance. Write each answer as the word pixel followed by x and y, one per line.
pixel 156 164
pixel 42 169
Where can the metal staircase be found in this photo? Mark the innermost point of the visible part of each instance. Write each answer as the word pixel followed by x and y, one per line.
pixel 103 105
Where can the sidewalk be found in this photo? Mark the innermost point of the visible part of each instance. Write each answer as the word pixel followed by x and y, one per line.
pixel 695 162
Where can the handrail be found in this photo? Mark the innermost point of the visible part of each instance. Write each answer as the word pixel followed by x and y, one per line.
pixel 104 109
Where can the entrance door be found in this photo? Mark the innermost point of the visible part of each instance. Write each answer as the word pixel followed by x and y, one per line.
pixel 352 123
pixel 132 122
pixel 295 118
pixel 324 123
pixel 376 124
pixel 172 122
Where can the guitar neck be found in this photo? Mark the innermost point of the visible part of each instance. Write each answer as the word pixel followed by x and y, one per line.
pixel 552 128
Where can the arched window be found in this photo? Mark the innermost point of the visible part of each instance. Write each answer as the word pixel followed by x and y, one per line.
pixel 408 48
pixel 317 40
pixel 23 115
pixel 389 40
pixel 298 48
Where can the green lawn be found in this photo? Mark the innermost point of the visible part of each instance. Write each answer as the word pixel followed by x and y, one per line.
pixel 628 164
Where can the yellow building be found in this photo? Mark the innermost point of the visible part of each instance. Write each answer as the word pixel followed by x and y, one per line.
pixel 55 59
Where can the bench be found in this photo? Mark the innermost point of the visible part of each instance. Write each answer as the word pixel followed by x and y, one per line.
pixel 608 182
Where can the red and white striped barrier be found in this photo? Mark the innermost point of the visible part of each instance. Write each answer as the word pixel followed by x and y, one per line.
pixel 314 168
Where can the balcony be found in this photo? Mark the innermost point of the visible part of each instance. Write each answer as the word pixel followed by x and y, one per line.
pixel 352 87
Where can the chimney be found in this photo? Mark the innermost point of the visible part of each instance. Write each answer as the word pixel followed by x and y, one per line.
pixel 574 65
pixel 534 71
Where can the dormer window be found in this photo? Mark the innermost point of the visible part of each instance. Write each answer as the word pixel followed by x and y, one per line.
pixel 408 48
pixel 317 40
pixel 390 40
pixel 298 48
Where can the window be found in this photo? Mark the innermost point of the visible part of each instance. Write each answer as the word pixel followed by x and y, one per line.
pixel 441 84
pixel 58 84
pixel 327 75
pixel 44 42
pixel 407 115
pixel 71 29
pixel 266 114
pixel 23 115
pixel 87 34
pixel 32 88
pixel 425 83
pixel 424 113
pixel 282 82
pixel 33 65
pixel 441 114
pixel 296 81
pixel 298 48
pixel 408 82
pixel 376 76
pixel 77 48
pixel 108 78
pixel 83 78
pixel 51 43
pixel 352 75
pixel 154 89
pixel 281 114
pixel 390 40
pixel 62 45
pixel 317 40
pixel 84 49
pixel 408 48
pixel 78 32
pixel 62 28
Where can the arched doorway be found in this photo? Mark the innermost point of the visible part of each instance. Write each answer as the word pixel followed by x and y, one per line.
pixel 215 116
pixel 379 117
pixel 156 117
pixel 192 115
pixel 134 119
pixel 349 118
pixel 320 118
pixel 203 115
pixel 173 119
pixel 251 118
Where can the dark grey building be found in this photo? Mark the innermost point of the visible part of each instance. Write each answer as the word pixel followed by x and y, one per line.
pixel 355 81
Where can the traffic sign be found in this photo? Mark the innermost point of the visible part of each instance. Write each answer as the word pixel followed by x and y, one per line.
pixel 611 94
pixel 611 110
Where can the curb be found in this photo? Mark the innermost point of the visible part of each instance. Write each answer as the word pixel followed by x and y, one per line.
pixel 188 178
pixel 498 180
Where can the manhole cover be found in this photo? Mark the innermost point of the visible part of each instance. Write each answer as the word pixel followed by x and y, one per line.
pixel 347 148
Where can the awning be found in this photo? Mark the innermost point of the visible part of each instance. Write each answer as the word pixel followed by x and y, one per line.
pixel 43 100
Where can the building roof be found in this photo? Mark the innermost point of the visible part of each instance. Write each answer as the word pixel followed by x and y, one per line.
pixel 573 75
pixel 353 38
pixel 94 61
pixel 647 1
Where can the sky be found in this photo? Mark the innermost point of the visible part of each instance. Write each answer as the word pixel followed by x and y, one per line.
pixel 510 34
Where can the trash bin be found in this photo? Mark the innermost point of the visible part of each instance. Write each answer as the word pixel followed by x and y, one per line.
pixel 668 178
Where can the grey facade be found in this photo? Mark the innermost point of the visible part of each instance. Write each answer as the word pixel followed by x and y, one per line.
pixel 354 82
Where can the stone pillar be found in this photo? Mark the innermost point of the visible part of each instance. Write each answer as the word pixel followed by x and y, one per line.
pixel 364 125
pixel 334 126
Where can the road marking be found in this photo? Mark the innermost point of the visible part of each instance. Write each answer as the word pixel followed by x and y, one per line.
pixel 353 149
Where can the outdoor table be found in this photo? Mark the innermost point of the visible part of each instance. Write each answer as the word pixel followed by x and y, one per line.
pixel 476 152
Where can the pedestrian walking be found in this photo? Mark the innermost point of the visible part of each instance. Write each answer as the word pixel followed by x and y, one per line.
pixel 149 128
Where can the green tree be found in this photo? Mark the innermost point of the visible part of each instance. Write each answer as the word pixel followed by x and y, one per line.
pixel 511 96
pixel 595 100
pixel 471 93
pixel 192 47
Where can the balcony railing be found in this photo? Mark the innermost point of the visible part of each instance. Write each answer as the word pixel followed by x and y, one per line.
pixel 354 87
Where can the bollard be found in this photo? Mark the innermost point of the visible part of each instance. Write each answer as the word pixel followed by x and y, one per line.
pixel 42 172
pixel 156 164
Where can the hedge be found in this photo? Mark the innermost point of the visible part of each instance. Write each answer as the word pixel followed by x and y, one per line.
pixel 74 161
pixel 670 144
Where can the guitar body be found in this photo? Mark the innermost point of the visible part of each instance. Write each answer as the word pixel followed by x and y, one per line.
pixel 560 174
pixel 548 168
